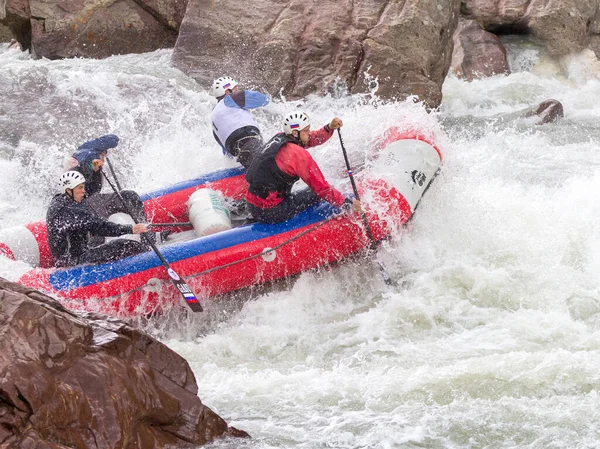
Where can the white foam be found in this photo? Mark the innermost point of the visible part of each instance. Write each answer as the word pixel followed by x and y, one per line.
pixel 494 325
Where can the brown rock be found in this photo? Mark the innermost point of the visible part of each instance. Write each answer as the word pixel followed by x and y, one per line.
pixel 14 7
pixel 170 13
pixel 94 28
pixel 299 48
pixel 564 25
pixel 15 15
pixel 477 53
pixel 594 32
pixel 5 34
pixel 62 29
pixel 84 381
pixel 410 49
pixel 494 14
pixel 547 111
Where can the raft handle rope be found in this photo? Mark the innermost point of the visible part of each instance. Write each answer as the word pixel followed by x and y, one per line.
pixel 270 250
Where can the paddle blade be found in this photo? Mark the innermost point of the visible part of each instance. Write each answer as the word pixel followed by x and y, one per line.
pixel 185 290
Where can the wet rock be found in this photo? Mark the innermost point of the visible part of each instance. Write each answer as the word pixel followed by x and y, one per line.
pixel 495 14
pixel 84 381
pixel 14 45
pixel 477 53
pixel 5 34
pixel 67 28
pixel 394 48
pixel 15 14
pixel 594 31
pixel 547 111
pixel 565 26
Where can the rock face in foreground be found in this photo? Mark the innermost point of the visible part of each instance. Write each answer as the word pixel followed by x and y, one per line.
pixel 297 48
pixel 81 382
pixel 56 29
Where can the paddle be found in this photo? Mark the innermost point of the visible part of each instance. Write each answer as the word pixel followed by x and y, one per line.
pixel 177 281
pixel 373 246
pixel 112 172
pixel 162 225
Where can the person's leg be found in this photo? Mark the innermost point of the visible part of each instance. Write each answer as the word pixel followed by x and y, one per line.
pixel 248 148
pixel 303 199
pixel 133 205
pixel 112 251
pixel 290 207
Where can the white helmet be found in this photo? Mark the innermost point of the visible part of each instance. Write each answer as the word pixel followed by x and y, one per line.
pixel 220 85
pixel 295 121
pixel 70 180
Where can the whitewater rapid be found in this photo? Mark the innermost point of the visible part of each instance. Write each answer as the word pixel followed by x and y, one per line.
pixel 492 337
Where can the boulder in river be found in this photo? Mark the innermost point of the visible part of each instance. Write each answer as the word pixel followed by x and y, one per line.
pixel 84 381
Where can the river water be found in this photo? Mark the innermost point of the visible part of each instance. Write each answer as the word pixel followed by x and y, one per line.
pixel 491 339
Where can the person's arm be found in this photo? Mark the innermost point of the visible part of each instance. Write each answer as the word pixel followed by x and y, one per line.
pixel 296 161
pixel 246 99
pixel 102 143
pixel 322 135
pixel 77 218
pixel 88 153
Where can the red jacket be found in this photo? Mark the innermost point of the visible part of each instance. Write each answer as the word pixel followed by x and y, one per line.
pixel 296 161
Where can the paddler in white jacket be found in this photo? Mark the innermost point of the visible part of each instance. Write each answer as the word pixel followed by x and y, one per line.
pixel 234 127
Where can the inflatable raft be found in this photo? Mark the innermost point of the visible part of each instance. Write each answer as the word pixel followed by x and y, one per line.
pixel 390 186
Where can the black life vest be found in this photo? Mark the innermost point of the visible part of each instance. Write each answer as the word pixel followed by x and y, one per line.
pixel 264 176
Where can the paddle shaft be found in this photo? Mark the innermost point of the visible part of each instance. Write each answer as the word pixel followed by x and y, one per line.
pixel 112 172
pixel 181 285
pixel 162 225
pixel 386 276
pixel 351 176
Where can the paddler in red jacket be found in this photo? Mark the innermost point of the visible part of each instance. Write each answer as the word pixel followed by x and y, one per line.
pixel 282 162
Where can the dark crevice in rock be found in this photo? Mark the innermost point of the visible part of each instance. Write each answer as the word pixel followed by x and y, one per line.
pixel 5 400
pixel 504 29
pixel 160 19
pixel 382 12
pixel 8 435
pixel 529 7
pixel 20 28
pixel 353 76
pixel 359 61
pixel 93 434
pixel 291 86
pixel 361 57
pixel 276 20
pixel 22 398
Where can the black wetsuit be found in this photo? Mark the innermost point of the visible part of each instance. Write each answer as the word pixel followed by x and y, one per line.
pixel 69 224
